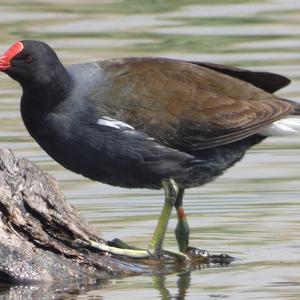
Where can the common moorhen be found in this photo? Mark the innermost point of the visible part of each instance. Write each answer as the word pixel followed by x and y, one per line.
pixel 146 122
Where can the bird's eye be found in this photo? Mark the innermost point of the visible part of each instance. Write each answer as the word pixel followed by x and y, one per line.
pixel 28 59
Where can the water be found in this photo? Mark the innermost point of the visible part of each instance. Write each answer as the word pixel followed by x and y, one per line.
pixel 252 212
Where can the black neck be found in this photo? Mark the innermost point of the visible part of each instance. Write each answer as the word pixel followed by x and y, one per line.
pixel 43 96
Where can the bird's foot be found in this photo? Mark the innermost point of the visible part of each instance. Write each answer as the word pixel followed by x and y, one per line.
pixel 112 249
pixel 221 259
pixel 120 248
pixel 199 256
pixel 196 254
pixel 119 244
pixel 191 254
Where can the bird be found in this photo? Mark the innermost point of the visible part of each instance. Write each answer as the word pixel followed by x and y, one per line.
pixel 147 122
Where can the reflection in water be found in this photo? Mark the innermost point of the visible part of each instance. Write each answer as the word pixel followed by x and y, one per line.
pixel 48 291
pixel 72 290
pixel 184 276
pixel 253 212
pixel 183 283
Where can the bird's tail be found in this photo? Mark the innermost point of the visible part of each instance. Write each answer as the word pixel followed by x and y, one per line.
pixel 289 125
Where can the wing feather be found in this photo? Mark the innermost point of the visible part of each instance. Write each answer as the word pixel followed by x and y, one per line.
pixel 182 105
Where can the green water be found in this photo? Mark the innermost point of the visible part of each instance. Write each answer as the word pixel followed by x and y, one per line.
pixel 252 212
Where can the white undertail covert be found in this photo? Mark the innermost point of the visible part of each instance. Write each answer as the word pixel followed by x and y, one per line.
pixel 287 126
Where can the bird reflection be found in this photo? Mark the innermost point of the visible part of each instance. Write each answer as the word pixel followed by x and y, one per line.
pixel 184 276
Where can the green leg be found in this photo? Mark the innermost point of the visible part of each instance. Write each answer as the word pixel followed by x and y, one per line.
pixel 171 192
pixel 182 232
pixel 182 229
pixel 155 247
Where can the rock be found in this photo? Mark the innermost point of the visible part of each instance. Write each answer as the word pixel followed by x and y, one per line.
pixel 38 229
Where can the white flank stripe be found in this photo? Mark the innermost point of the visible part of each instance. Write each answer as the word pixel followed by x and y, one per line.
pixel 283 127
pixel 107 121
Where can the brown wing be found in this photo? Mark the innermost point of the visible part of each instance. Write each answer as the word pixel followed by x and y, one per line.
pixel 182 105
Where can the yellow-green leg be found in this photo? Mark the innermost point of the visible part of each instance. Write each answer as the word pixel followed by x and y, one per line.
pixel 171 192
pixel 155 247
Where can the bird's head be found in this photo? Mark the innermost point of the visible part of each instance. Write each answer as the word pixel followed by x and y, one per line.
pixel 30 62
